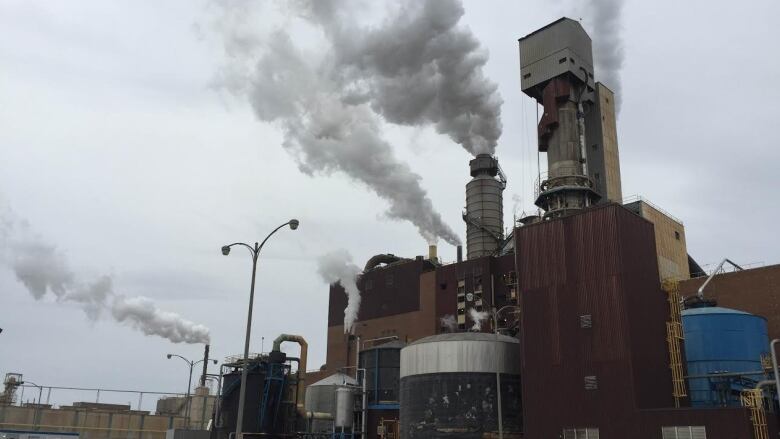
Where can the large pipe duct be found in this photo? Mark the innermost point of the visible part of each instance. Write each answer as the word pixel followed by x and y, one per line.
pixel 484 215
pixel 301 388
pixel 377 260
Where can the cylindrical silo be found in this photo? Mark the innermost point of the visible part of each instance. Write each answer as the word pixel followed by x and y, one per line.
pixel 449 382
pixel 345 408
pixel 484 215
pixel 321 398
pixel 722 341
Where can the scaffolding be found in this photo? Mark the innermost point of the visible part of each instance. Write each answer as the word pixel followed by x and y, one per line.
pixel 754 400
pixel 674 338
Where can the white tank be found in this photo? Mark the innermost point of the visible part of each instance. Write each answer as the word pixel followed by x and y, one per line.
pixel 345 407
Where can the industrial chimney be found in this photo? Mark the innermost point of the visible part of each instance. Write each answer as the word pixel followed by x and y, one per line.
pixel 556 68
pixel 484 215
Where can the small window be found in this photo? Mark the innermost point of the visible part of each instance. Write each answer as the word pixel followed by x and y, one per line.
pixel 562 60
pixel 595 146
pixel 526 76
pixel 598 176
pixel 581 433
pixel 591 382
pixel 586 321
pixel 607 99
pixel 676 235
pixel 443 285
pixel 572 60
pixel 684 432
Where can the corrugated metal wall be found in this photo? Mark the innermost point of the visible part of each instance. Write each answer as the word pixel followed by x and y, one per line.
pixel 600 263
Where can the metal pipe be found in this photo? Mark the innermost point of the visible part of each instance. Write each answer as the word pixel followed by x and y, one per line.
pixel 774 364
pixel 205 365
pixel 714 272
pixel 498 372
pixel 725 374
pixel 364 416
pixel 300 389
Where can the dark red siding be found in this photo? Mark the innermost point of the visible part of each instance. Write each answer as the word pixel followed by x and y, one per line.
pixel 385 291
pixel 600 263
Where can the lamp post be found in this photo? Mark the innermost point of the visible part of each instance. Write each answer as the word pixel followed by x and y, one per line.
pixel 255 252
pixel 189 383
pixel 37 405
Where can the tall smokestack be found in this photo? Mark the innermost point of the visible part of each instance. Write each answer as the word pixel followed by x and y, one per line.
pixel 484 215
pixel 205 366
pixel 433 253
pixel 556 68
pixel 460 253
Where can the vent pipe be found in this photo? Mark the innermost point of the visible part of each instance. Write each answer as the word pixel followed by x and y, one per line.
pixel 460 253
pixel 205 366
pixel 301 388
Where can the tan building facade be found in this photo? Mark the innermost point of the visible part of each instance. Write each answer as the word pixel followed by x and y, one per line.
pixel 669 240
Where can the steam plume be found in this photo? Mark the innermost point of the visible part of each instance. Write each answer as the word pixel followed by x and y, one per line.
pixel 328 103
pixel 605 23
pixel 419 67
pixel 42 268
pixel 337 267
pixel 477 317
pixel 449 323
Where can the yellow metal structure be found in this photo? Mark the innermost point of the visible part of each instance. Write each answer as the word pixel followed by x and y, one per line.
pixel 674 337
pixel 754 400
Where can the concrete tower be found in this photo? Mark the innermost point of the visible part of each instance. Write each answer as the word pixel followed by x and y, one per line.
pixel 484 215
pixel 556 64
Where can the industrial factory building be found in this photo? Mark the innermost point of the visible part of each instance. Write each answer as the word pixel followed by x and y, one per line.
pixel 585 320
pixel 575 316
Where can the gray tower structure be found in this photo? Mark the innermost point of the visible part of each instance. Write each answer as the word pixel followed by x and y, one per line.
pixel 556 68
pixel 484 215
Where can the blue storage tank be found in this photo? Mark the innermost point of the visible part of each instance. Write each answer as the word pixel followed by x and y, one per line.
pixel 722 340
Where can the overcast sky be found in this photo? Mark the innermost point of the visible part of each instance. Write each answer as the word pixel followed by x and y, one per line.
pixel 115 147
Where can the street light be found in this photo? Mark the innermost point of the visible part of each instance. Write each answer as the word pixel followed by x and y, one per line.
pixel 38 405
pixel 255 251
pixel 189 383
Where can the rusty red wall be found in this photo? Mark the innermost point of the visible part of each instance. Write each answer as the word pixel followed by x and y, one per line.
pixel 601 263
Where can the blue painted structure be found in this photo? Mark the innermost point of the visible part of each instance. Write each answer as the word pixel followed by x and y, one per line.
pixel 722 340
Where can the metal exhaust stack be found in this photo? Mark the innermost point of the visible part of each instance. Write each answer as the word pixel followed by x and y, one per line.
pixel 433 253
pixel 484 215
pixel 205 366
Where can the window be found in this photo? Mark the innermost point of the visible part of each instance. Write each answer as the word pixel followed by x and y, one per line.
pixel 676 235
pixel 591 382
pixel 562 60
pixel 598 176
pixel 581 433
pixel 595 146
pixel 586 321
pixel 526 76
pixel 684 432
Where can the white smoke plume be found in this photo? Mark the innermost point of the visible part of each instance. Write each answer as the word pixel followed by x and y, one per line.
pixel 42 268
pixel 419 68
pixel 477 317
pixel 602 20
pixel 337 267
pixel 449 323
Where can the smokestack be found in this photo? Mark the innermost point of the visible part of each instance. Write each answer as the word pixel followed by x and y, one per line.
pixel 460 253
pixel 433 252
pixel 205 366
pixel 484 215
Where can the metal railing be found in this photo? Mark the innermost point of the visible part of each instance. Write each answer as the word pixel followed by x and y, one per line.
pixel 635 198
